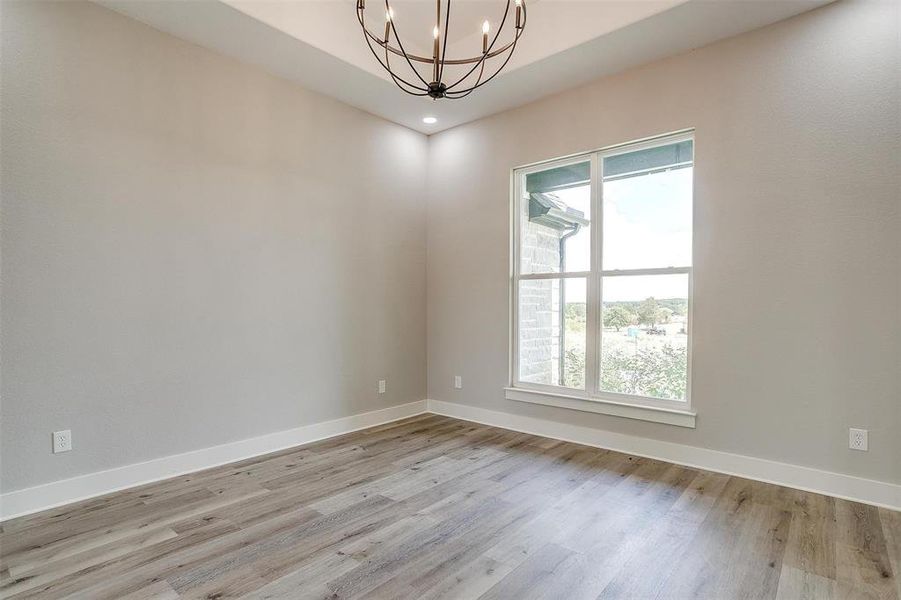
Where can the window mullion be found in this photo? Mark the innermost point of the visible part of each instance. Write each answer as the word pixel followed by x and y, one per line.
pixel 513 340
pixel 593 308
pixel 570 275
pixel 649 271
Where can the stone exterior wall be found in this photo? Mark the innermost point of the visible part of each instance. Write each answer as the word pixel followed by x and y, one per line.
pixel 539 305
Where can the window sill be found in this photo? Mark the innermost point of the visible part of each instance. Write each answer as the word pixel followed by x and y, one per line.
pixel 669 416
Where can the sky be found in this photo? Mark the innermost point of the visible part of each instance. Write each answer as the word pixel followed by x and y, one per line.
pixel 647 224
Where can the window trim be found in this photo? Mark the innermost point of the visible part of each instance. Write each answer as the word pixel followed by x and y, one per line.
pixel 571 399
pixel 592 399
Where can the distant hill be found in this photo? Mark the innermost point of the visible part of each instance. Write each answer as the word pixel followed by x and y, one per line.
pixel 679 306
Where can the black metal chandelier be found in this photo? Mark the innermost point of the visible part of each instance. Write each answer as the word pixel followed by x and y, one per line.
pixel 409 78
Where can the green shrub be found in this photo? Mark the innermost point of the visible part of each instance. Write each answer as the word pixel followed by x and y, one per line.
pixel 659 372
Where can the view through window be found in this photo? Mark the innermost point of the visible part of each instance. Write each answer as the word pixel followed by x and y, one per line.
pixel 603 272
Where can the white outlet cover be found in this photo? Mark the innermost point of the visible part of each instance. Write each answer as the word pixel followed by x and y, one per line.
pixel 62 441
pixel 383 386
pixel 458 382
pixel 857 439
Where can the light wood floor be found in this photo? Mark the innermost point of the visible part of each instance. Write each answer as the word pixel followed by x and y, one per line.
pixel 434 507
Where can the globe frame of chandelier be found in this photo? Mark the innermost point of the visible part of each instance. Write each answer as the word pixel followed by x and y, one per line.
pixel 437 87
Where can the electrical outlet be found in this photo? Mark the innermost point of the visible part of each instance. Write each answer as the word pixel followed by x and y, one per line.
pixel 858 439
pixel 383 386
pixel 458 382
pixel 62 441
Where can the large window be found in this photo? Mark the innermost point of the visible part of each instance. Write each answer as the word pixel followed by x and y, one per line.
pixel 602 275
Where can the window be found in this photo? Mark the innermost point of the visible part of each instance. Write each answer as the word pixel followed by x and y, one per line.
pixel 602 281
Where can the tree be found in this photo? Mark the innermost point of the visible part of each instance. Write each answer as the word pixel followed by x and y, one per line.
pixel 618 317
pixel 575 318
pixel 655 372
pixel 649 312
pixel 574 368
pixel 665 315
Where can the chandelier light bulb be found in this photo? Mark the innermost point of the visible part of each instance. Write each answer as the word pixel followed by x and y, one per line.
pixel 389 14
pixel 436 64
pixel 485 27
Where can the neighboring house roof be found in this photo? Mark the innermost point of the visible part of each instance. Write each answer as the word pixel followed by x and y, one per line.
pixel 548 210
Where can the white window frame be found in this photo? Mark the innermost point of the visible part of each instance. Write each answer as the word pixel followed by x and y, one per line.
pixel 592 399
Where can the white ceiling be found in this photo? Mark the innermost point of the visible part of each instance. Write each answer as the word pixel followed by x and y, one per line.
pixel 318 43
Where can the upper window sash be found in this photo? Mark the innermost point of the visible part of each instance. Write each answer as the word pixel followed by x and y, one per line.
pixel 637 235
pixel 553 218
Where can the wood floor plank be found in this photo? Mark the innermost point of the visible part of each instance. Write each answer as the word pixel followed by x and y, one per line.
pixel 470 581
pixel 617 529
pixel 891 525
pixel 557 520
pixel 456 553
pixel 862 555
pixel 532 578
pixel 63 545
pixel 308 581
pixel 797 584
pixel 657 557
pixel 274 552
pixel 395 555
pixel 158 591
pixel 90 582
pixel 44 572
pixel 811 538
pixel 438 508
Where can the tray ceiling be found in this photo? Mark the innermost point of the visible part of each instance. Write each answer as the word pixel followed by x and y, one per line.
pixel 567 43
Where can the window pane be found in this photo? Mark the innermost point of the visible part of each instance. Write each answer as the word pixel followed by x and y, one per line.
pixel 552 332
pixel 644 346
pixel 647 208
pixel 554 216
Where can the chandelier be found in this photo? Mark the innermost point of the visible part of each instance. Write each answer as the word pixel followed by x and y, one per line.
pixel 407 70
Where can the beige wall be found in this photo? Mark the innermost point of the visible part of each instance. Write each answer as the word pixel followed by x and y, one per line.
pixel 797 305
pixel 193 252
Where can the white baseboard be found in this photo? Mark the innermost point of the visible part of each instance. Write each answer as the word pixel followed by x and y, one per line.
pixel 58 493
pixel 848 487
pixel 66 491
